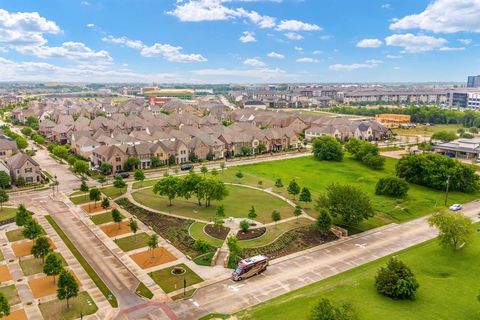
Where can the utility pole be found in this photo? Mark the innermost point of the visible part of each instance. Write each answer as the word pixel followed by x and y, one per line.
pixel 446 190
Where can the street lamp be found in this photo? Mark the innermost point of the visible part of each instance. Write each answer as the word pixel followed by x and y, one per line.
pixel 446 189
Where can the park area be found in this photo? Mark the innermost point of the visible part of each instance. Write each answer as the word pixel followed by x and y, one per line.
pixel 446 279
pixel 237 204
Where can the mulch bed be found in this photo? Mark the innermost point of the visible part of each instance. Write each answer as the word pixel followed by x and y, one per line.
pixel 251 233
pixel 292 241
pixel 217 232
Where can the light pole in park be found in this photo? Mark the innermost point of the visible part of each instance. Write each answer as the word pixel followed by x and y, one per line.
pixel 446 189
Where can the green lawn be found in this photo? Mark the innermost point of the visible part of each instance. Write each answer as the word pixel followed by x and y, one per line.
pixel 33 265
pixel 102 218
pixel 237 204
pixel 197 233
pixel 448 289
pixel 144 291
pixel 204 259
pixel 57 310
pixel 7 213
pixel 1 256
pixel 92 274
pixel 273 232
pixel 169 282
pixel 113 192
pixel 15 235
pixel 129 243
pixel 80 199
pixel 317 175
pixel 429 130
pixel 10 292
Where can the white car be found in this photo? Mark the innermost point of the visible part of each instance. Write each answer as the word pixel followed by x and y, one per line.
pixel 456 207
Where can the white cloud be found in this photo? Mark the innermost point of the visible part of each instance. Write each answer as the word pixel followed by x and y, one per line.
pixel 392 56
pixel 418 43
pixel 295 25
pixel 326 37
pixel 248 37
pixel 293 36
pixel 76 51
pixel 90 25
pixel 317 52
pixel 386 6
pixel 262 73
pixel 369 43
pixel 298 48
pixel 275 55
pixel 447 16
pixel 254 62
pixel 166 51
pixel 307 60
pixel 466 41
pixel 25 28
pixel 369 64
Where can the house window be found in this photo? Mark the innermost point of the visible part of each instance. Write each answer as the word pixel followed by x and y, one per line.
pixel 2 153
pixel 28 170
pixel 118 159
pixel 118 168
pixel 29 179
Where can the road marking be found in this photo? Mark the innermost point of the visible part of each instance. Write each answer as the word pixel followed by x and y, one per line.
pixel 360 245
pixel 236 287
pixel 195 303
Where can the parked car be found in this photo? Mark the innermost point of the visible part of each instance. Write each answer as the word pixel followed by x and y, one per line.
pixel 124 175
pixel 456 207
pixel 186 167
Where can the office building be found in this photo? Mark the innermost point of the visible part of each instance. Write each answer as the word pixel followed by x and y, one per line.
pixel 473 82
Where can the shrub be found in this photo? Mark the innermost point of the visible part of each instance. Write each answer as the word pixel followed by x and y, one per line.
pixel 326 310
pixel 374 161
pixel 244 225
pixel 327 148
pixel 392 186
pixel 202 246
pixel 396 281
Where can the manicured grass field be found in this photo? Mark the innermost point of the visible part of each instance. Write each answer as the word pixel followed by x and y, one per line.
pixel 57 310
pixel 144 291
pixel 237 204
pixel 10 292
pixel 33 265
pixel 140 240
pixel 429 130
pixel 7 213
pixel 448 289
pixel 317 175
pixel 169 282
pixel 113 192
pixel 80 199
pixel 197 233
pixel 273 232
pixel 15 235
pixel 102 218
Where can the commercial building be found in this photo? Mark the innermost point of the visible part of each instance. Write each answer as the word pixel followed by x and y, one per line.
pixel 461 148
pixel 466 99
pixel 473 82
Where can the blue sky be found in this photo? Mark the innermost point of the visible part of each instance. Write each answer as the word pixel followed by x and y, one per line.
pixel 236 41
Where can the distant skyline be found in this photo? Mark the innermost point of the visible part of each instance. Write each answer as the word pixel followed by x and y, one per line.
pixel 239 41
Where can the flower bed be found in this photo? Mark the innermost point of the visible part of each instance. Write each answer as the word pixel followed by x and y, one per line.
pixel 171 228
pixel 251 233
pixel 216 232
pixel 291 241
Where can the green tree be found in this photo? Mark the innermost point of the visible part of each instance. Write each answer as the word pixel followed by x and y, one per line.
pixel 327 148
pixel 324 220
pixel 139 175
pixel 153 243
pixel 41 248
pixel 95 195
pixel 279 183
pixel 39 139
pixel 455 229
pixel 60 151
pixel 22 143
pixel 276 217
pixel 117 217
pixel 220 212
pixel 350 203
pixel 246 151
pixel 239 174
pixel 444 136
pixel 293 188
pixel 212 189
pixel 305 195
pixel 22 216
pixel 168 186
pixel 119 183
pixel 26 131
pixel 131 164
pixel 106 168
pixel 244 226
pixel 297 212
pixel 67 287
pixel 325 310
pixel 133 226
pixel 234 248
pixel 53 265
pixel 392 186
pixel 214 172
pixel 375 162
pixel 396 281
pixel 105 203
pixel 84 187
pixel 3 198
pixel 20 181
pixel 32 229
pixel 81 167
pixel 252 214
pixel 155 162
pixel 4 306
pixel 262 148
pixel 204 170
pixel 4 180
pixel 172 160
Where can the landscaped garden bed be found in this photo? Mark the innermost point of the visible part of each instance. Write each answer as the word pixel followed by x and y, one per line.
pixel 173 229
pixel 204 259
pixel 251 233
pixel 292 241
pixel 170 282
pixel 217 232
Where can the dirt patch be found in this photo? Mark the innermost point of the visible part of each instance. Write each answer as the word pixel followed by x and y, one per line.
pixel 5 273
pixel 216 232
pixel 251 233
pixel 24 248
pixel 94 208
pixel 16 315
pixel 115 229
pixel 44 286
pixel 160 256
